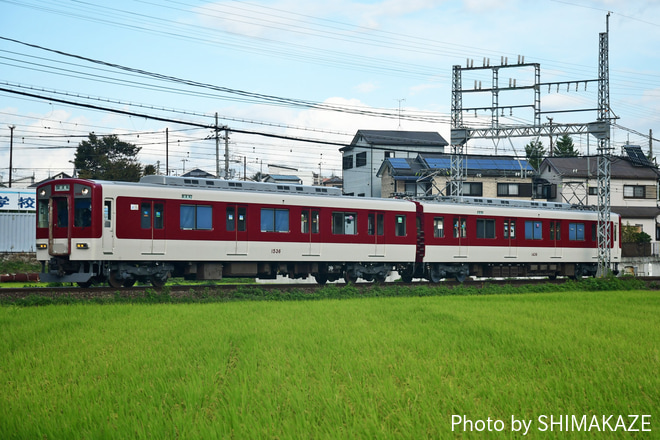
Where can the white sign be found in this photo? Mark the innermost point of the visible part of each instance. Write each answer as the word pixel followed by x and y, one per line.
pixel 18 199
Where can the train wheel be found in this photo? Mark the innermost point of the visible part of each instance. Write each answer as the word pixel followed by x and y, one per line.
pixel 129 282
pixel 85 284
pixel 350 278
pixel 321 279
pixel 113 280
pixel 157 281
pixel 460 277
pixel 381 277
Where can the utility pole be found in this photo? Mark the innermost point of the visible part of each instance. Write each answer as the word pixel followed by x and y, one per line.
pixel 226 152
pixel 11 150
pixel 217 148
pixel 167 152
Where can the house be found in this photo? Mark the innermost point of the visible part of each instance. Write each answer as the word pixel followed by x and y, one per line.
pixel 200 174
pixel 633 186
pixel 430 174
pixel 362 159
pixel 282 178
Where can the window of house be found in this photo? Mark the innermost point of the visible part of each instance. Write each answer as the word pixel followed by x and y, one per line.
pixel 533 230
pixel 474 189
pixel 439 227
pixel 361 159
pixel 485 228
pixel 347 162
pixel 274 220
pixel 634 191
pixel 507 189
pixel 344 223
pixel 193 217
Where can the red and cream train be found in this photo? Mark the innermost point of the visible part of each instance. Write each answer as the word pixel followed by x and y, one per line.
pixel 95 231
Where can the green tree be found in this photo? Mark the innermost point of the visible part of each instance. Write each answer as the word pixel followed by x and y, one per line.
pixel 107 158
pixel 565 147
pixel 534 152
pixel 149 170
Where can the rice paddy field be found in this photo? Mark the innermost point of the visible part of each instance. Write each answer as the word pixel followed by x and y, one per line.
pixel 379 367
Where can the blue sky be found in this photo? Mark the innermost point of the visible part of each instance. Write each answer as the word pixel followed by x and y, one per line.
pixel 387 58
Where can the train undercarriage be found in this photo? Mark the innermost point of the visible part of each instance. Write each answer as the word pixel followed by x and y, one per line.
pixel 125 274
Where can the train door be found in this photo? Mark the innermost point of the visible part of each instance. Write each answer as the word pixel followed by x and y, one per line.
pixel 236 221
pixel 59 233
pixel 153 220
pixel 108 240
pixel 309 226
pixel 460 233
pixel 510 237
pixel 555 238
pixel 376 230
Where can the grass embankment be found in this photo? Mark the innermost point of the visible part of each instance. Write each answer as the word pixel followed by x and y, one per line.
pixel 396 367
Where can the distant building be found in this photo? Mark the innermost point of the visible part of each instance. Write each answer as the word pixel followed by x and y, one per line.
pixel 633 186
pixel 283 178
pixel 200 174
pixel 362 159
pixel 430 174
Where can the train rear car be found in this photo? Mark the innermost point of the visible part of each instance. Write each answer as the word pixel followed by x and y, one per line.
pixel 509 238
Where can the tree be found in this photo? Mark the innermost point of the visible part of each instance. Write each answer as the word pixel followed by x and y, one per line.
pixel 565 147
pixel 149 170
pixel 534 152
pixel 107 158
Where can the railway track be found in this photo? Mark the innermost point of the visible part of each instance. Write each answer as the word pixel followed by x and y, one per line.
pixel 9 294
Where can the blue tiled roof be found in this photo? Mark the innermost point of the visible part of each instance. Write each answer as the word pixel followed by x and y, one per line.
pixel 399 163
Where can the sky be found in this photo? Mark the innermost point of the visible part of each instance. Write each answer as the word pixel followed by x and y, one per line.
pixel 294 80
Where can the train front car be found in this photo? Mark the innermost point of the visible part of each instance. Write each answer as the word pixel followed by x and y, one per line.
pixel 510 238
pixel 69 229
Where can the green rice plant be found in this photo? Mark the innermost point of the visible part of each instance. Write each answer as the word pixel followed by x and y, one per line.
pixel 368 367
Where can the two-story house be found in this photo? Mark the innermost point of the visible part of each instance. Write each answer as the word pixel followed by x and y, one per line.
pixel 362 159
pixel 430 174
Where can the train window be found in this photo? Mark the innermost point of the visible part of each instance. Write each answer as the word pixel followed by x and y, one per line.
pixel 145 221
pixel 576 231
pixel 555 231
pixel 231 218
pixel 309 222
pixel 82 213
pixel 242 218
pixel 62 213
pixel 375 224
pixel 400 230
pixel 439 227
pixel 533 230
pixel 460 228
pixel 509 229
pixel 159 218
pixel 199 217
pixel 344 223
pixel 485 228
pixel 274 220
pixel 43 213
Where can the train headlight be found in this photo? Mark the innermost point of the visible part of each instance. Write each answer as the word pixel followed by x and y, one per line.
pixel 42 246
pixel 82 246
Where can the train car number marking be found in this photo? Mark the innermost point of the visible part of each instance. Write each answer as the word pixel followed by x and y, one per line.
pixel 276 251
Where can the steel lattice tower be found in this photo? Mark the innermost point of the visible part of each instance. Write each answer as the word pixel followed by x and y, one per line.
pixel 604 156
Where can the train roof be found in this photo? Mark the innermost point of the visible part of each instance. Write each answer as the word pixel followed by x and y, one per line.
pixel 241 185
pixel 505 203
